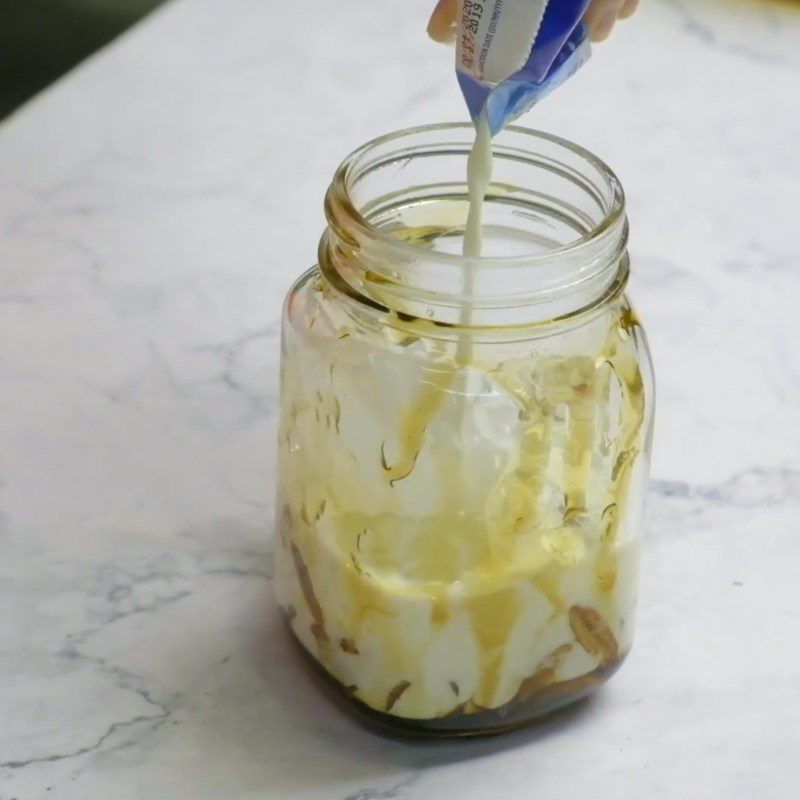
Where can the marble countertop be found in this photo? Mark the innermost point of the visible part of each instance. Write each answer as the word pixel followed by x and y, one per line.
pixel 154 207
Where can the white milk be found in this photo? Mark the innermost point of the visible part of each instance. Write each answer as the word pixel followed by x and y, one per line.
pixel 479 176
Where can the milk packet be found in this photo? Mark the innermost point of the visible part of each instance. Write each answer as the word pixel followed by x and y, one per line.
pixel 511 53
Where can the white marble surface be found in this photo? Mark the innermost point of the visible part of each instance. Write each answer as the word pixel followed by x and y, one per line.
pixel 154 207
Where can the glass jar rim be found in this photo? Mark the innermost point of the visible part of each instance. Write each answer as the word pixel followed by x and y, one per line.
pixel 349 171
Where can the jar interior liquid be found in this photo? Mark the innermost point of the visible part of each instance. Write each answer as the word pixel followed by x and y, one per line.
pixel 459 507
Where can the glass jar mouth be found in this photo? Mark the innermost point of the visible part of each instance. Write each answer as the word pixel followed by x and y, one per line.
pixel 554 227
pixel 362 161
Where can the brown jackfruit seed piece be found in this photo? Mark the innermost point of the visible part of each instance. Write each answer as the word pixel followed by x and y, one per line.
pixel 285 526
pixel 544 676
pixel 593 634
pixel 318 632
pixel 337 415
pixel 318 628
pixel 349 646
pixel 537 682
pixel 395 694
pixel 556 692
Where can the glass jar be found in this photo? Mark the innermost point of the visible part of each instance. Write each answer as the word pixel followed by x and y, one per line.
pixel 464 443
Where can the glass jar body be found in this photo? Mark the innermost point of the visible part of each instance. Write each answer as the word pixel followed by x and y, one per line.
pixel 458 543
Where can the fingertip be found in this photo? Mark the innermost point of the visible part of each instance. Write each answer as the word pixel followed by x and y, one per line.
pixel 628 9
pixel 442 37
pixel 596 36
pixel 441 26
pixel 600 31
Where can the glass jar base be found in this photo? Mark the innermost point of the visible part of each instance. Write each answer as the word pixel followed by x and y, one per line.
pixel 519 712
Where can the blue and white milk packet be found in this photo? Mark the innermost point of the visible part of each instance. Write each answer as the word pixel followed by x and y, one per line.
pixel 512 53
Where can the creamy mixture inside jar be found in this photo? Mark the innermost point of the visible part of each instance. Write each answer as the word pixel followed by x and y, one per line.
pixel 458 527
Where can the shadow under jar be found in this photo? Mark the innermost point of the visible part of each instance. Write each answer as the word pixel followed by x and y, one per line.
pixel 462 476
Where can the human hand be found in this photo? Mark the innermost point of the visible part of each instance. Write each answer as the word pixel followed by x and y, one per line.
pixel 602 15
pixel 600 18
